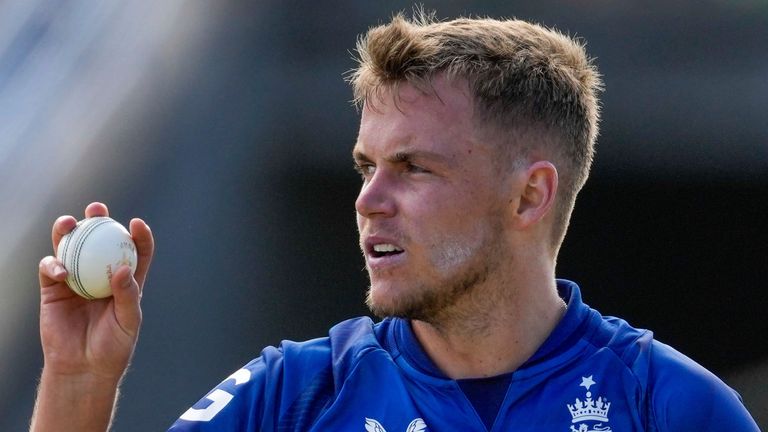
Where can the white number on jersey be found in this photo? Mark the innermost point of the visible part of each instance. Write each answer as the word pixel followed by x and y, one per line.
pixel 219 399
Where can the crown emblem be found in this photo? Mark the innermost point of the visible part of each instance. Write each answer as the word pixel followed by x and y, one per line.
pixel 589 409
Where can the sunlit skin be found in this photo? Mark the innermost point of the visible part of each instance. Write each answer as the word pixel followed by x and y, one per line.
pixel 428 188
pixel 461 239
pixel 87 343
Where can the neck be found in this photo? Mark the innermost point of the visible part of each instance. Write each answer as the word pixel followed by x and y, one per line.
pixel 495 329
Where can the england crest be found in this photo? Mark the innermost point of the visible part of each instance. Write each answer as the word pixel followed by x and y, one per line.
pixel 589 415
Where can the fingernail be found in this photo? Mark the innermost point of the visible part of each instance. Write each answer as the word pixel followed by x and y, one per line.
pixel 59 270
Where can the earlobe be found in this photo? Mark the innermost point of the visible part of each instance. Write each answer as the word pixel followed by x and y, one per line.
pixel 538 195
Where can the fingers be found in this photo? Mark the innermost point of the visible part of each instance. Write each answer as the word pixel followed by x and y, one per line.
pixel 127 296
pixel 96 209
pixel 51 271
pixel 145 248
pixel 64 224
pixel 52 276
pixel 142 236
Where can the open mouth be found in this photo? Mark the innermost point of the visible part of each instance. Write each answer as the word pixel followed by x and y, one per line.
pixel 385 250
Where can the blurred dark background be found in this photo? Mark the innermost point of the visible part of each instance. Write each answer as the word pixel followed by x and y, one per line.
pixel 227 126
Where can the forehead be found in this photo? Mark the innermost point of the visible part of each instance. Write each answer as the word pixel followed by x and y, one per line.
pixel 438 119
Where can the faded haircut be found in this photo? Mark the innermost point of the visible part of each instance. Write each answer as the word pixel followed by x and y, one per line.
pixel 534 87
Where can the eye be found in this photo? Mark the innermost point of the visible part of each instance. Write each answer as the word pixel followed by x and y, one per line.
pixel 416 169
pixel 365 170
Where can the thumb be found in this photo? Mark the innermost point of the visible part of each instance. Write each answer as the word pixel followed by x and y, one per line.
pixel 127 298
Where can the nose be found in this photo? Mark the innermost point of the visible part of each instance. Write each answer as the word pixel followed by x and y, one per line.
pixel 376 198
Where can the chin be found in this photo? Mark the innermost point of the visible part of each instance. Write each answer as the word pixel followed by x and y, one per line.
pixel 422 300
pixel 379 300
pixel 398 300
pixel 387 299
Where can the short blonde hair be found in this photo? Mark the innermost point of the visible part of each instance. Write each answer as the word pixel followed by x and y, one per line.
pixel 523 77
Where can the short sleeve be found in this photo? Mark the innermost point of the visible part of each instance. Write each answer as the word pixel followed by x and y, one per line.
pixel 245 401
pixel 686 396
pixel 284 388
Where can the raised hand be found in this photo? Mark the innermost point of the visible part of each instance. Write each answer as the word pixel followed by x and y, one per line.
pixel 87 344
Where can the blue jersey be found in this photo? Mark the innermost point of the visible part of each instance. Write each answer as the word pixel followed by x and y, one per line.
pixel 593 373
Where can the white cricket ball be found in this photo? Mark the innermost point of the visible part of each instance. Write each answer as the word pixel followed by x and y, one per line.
pixel 92 251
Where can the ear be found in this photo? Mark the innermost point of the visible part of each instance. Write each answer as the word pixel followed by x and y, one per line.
pixel 538 194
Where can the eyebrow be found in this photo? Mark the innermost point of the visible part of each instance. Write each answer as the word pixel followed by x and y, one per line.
pixel 403 156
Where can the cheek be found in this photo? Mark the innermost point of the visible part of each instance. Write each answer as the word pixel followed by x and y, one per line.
pixel 465 230
pixel 452 248
pixel 451 255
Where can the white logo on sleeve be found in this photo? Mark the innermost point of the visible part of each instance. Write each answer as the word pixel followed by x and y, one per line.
pixel 589 414
pixel 417 425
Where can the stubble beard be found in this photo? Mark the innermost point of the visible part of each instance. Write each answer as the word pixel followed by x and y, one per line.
pixel 437 303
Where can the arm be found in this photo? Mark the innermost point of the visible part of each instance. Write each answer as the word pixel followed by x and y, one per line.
pixel 285 388
pixel 685 396
pixel 87 344
pixel 81 402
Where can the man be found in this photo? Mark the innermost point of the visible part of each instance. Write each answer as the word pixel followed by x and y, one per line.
pixel 475 138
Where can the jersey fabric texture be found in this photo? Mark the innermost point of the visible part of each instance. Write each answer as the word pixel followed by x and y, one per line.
pixel 593 373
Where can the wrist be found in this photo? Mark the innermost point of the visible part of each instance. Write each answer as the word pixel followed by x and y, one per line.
pixel 84 368
pixel 81 381
pixel 74 402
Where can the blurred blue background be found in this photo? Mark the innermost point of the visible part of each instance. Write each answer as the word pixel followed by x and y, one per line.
pixel 227 126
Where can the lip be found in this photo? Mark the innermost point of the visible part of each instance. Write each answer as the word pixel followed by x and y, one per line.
pixel 382 262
